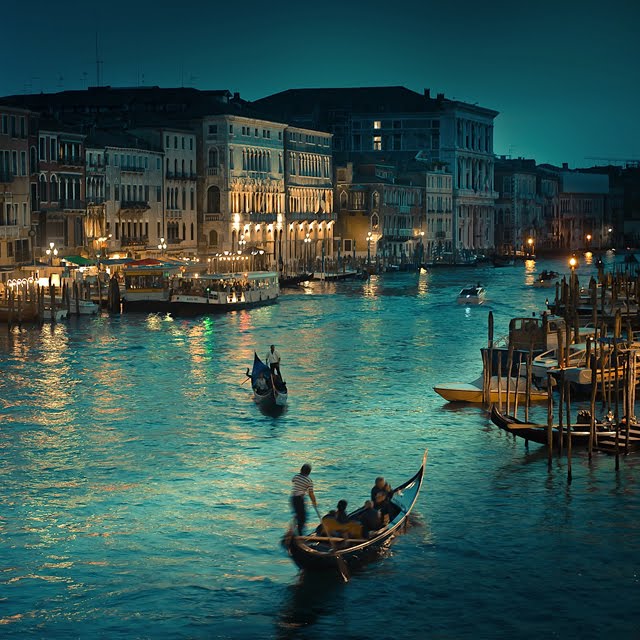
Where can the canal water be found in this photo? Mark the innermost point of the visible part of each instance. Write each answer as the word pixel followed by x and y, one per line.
pixel 144 495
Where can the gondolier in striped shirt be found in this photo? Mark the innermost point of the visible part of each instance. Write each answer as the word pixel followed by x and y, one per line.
pixel 302 484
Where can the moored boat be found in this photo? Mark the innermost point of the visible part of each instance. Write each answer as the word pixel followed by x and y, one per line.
pixel 546 279
pixel 275 394
pixel 472 392
pixel 320 552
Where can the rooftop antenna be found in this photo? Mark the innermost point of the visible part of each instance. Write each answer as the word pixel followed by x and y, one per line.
pixel 98 63
pixel 60 84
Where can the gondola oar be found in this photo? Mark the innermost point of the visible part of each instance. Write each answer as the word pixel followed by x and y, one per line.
pixel 342 565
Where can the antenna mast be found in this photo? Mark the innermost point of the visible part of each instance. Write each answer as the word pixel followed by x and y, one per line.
pixel 98 63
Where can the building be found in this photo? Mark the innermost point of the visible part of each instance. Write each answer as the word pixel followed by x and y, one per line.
pixel 15 209
pixel 60 192
pixel 379 215
pixel 309 212
pixel 134 222
pixel 395 126
pixel 438 229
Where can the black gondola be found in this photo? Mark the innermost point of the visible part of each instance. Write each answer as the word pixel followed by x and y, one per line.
pixel 318 552
pixel 276 394
pixel 538 432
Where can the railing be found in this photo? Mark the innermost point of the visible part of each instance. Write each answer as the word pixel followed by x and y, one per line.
pixel 95 167
pixel 130 168
pixel 301 215
pixel 212 217
pixel 134 204
pixel 440 235
pixel 72 204
pixel 9 232
pixel 172 175
pixel 173 215
pixel 128 241
pixel 73 161
pixel 212 171
pixel 6 176
pixel 404 234
pixel 263 217
pixel 404 208
pixel 95 200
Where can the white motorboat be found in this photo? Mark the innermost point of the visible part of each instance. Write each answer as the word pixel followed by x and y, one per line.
pixel 83 307
pixel 472 295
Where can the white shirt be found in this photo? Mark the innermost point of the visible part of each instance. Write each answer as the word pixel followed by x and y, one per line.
pixel 273 357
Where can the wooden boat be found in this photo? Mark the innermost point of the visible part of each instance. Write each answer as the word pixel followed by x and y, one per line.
pixel 503 260
pixel 461 392
pixel 472 295
pixel 277 393
pixel 538 432
pixel 319 552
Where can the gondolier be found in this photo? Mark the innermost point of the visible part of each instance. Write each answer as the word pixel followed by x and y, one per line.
pixel 273 360
pixel 302 484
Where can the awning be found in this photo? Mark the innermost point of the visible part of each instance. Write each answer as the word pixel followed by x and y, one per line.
pixel 78 261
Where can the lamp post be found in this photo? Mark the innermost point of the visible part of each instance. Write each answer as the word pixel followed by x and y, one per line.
pixel 530 246
pixel 162 247
pixel 588 239
pixel 51 252
pixel 307 240
pixel 369 234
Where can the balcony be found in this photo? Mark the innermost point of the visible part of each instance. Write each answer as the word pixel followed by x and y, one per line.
pixel 301 215
pixel 172 175
pixel 440 235
pixel 212 217
pixel 72 205
pixel 72 161
pixel 213 171
pixel 95 200
pixel 131 241
pixel 399 235
pixel 140 205
pixel 130 168
pixel 403 208
pixel 9 232
pixel 95 168
pixel 6 177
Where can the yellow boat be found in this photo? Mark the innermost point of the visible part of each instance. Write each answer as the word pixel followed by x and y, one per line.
pixel 472 392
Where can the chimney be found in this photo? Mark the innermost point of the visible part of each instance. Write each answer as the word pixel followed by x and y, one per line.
pixel 565 165
pixel 427 93
pixel 440 96
pixel 236 96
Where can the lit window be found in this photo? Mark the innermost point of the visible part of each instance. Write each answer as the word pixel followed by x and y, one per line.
pixel 377 143
pixel 377 124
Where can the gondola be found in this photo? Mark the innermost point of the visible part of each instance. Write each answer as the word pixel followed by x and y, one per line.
pixel 318 552
pixel 538 432
pixel 276 394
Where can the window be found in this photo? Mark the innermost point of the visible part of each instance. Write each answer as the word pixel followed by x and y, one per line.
pixel 23 127
pixel 158 194
pixel 183 142
pixel 158 163
pixel 5 124
pixel 116 192
pixel 190 144
pixel 256 133
pixel 279 135
pixel 231 129
pixel 231 158
pixel 14 131
pixel 377 124
pixel 146 193
pixel 167 141
pixel 213 129
pixel 377 143
pixel 175 142
pixel 43 147
pixel 192 200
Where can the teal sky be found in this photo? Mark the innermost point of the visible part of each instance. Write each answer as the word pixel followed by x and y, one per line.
pixel 564 75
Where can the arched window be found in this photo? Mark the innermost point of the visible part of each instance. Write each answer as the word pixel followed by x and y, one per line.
pixel 213 237
pixel 43 189
pixel 53 192
pixel 192 237
pixel 343 200
pixel 213 157
pixel 33 160
pixel 213 200
pixel 184 231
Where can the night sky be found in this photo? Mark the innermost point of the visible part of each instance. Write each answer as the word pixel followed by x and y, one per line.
pixel 563 74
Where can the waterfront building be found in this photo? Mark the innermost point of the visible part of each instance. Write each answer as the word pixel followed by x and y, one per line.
pixel 180 180
pixel 60 191
pixel 309 211
pixel 395 126
pixel 241 187
pixel 379 216
pixel 15 209
pixel 133 195
pixel 438 238
pixel 95 190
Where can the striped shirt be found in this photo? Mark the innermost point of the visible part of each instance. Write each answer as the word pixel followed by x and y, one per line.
pixel 301 484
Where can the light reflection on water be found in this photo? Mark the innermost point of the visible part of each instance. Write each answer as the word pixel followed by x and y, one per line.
pixel 144 494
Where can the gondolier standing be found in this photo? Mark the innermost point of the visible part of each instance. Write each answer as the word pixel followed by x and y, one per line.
pixel 302 484
pixel 273 360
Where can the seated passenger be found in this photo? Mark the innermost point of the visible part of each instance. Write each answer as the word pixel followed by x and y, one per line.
pixel 370 519
pixel 382 506
pixel 380 485
pixel 337 523
pixel 261 384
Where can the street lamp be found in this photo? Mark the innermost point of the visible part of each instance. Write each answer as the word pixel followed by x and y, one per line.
pixel 307 240
pixel 369 234
pixel 573 263
pixel 588 239
pixel 51 252
pixel 162 247
pixel 530 246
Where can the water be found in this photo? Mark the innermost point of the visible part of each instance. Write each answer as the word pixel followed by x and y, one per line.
pixel 144 495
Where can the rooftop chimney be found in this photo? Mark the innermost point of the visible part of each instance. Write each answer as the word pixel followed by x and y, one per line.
pixel 236 95
pixel 427 93
pixel 440 96
pixel 565 165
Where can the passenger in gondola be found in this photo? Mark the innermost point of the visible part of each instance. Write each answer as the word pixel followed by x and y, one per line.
pixel 261 385
pixel 382 506
pixel 380 485
pixel 370 519
pixel 338 523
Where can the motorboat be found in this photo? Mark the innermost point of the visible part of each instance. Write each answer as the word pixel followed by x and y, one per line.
pixel 472 295
pixel 473 392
